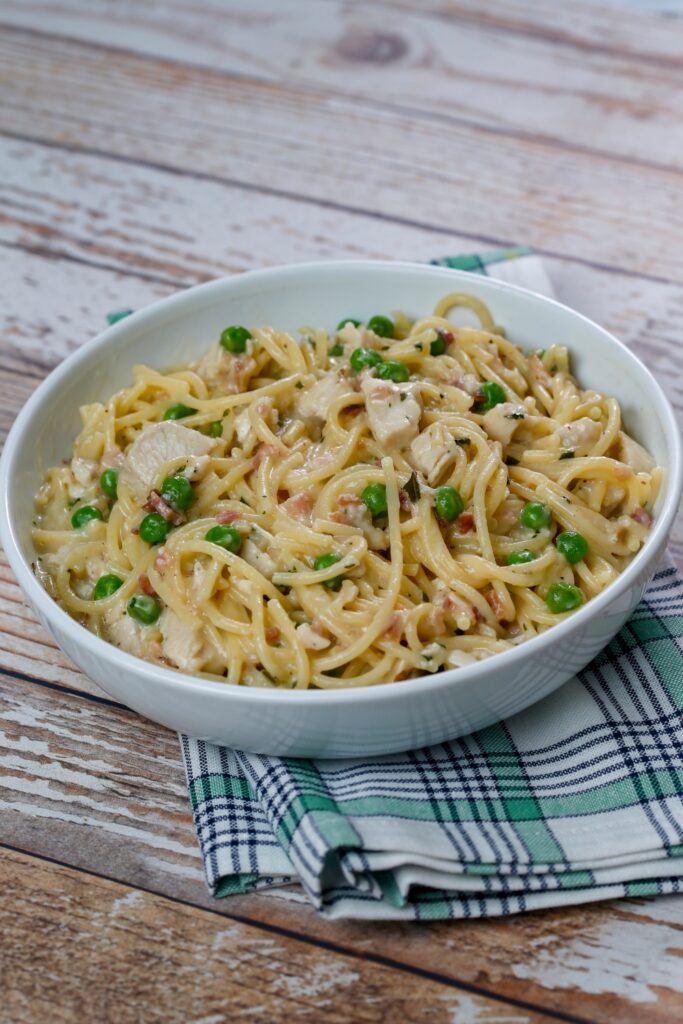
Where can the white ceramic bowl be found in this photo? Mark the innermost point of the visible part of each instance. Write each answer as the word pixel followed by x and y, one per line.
pixel 341 723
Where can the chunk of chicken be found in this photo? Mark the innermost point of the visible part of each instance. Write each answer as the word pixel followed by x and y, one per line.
pixel 244 429
pixel 314 403
pixel 433 451
pixel 581 433
pixel 224 372
pixel 127 634
pixel 501 422
pixel 182 642
pixel 84 472
pixel 633 454
pixel 258 559
pixel 156 447
pixel 394 411
pixel 310 639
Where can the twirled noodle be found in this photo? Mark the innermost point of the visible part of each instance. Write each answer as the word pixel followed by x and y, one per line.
pixel 388 503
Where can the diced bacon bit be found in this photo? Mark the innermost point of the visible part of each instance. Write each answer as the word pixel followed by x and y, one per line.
pixel 642 516
pixel 157 504
pixel 353 410
pixel 272 634
pixel 404 501
pixel 240 372
pixel 344 500
pixel 478 617
pixel 227 517
pixel 262 452
pixel 539 371
pixel 465 522
pixel 397 624
pixel 445 601
pixel 339 517
pixel 264 408
pixel 446 336
pixel 162 561
pixel 145 585
pixel 300 506
pixel 135 530
pixel 494 600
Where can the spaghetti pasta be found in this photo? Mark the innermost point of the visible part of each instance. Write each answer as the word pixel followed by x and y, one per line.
pixel 343 509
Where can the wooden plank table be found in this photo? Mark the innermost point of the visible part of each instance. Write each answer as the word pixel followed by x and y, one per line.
pixel 147 147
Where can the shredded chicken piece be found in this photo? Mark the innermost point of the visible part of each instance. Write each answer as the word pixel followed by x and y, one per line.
pixel 314 403
pixel 393 410
pixel 156 447
pixel 501 422
pixel 182 643
pixel 633 454
pixel 580 434
pixel 310 638
pixel 433 451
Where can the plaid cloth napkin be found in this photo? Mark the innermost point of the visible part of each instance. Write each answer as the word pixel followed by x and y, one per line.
pixel 576 799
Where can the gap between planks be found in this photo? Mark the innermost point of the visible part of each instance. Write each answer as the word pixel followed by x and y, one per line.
pixel 565 204
pixel 59 873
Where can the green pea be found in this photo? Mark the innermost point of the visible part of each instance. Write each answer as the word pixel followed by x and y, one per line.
pixel 144 609
pixel 324 562
pixel 216 428
pixel 572 545
pixel 154 529
pixel 178 412
pixel 393 369
pixel 109 482
pixel 348 320
pixel 177 492
pixel 520 557
pixel 85 515
pixel 563 597
pixel 375 498
pixel 381 325
pixel 437 347
pixel 362 357
pixel 337 350
pixel 493 395
pixel 235 339
pixel 535 515
pixel 228 537
pixel 448 503
pixel 106 586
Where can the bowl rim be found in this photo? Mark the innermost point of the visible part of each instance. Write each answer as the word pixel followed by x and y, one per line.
pixel 161 311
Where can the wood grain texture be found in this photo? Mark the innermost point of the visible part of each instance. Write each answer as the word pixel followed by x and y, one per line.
pixel 103 790
pixel 141 957
pixel 150 147
pixel 453 60
pixel 341 150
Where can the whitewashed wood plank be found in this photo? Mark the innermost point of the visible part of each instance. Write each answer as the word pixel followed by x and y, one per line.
pixel 103 790
pixel 125 955
pixel 434 61
pixel 95 210
pixel 344 153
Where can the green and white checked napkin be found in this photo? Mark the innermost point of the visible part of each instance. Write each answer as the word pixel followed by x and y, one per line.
pixel 576 799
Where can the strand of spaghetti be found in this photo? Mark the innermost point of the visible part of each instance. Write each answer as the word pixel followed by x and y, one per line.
pixel 387 601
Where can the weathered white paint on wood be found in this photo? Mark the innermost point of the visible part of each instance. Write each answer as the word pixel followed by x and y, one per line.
pixel 457 65
pixel 345 152
pixel 104 790
pixel 301 144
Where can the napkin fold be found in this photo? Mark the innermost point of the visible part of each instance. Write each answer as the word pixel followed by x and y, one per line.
pixel 576 799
